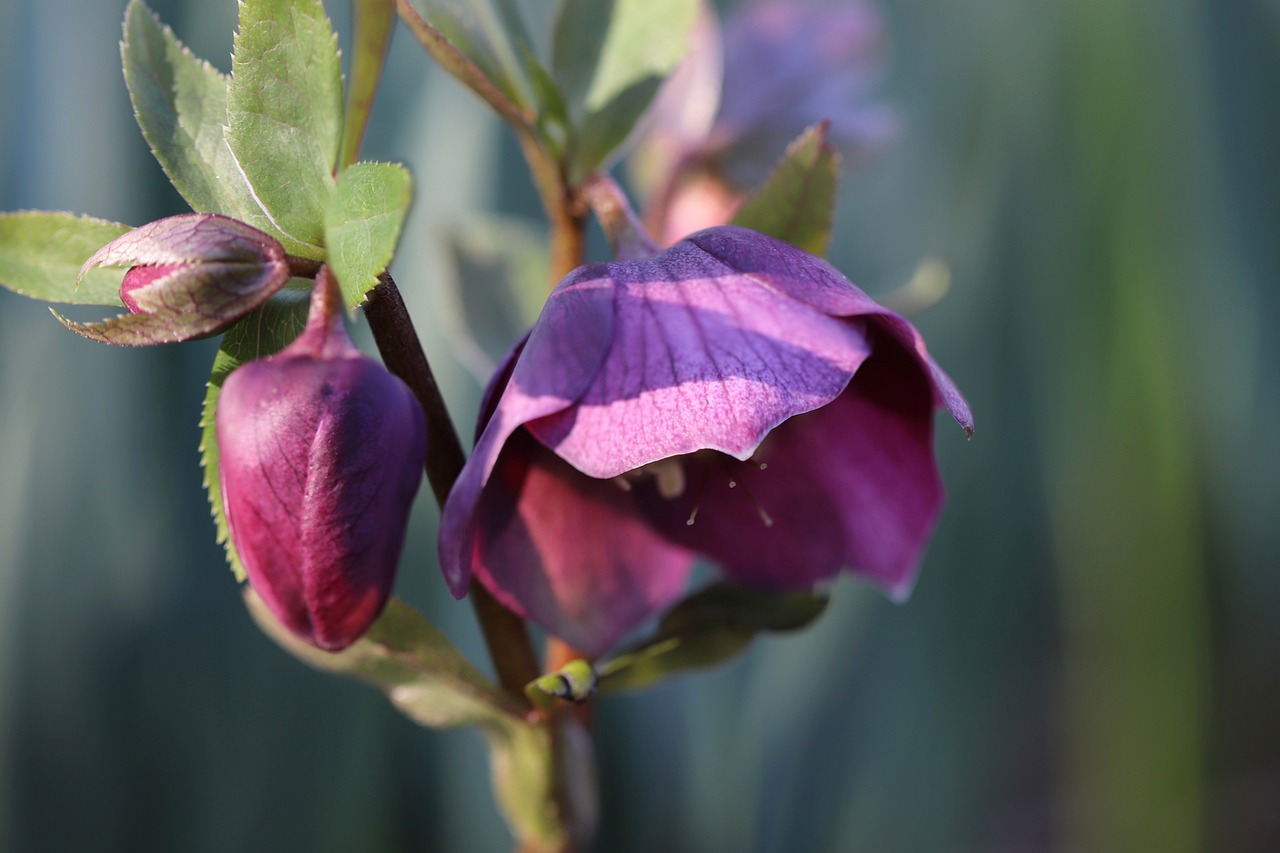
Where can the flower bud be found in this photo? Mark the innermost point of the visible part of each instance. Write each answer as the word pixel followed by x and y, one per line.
pixel 189 277
pixel 321 453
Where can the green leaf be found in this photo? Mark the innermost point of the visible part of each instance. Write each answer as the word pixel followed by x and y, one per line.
pixel 363 224
pixel 476 41
pixel 41 253
pixel 497 288
pixel 373 21
pixel 409 660
pixel 180 102
pixel 284 110
pixel 462 60
pixel 264 332
pixel 707 628
pixel 610 57
pixel 797 202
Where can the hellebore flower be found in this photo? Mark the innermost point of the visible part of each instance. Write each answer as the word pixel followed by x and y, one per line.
pixel 189 276
pixel 320 454
pixel 727 114
pixel 733 397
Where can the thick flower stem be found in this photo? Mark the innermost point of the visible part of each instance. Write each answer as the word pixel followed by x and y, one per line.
pixel 505 634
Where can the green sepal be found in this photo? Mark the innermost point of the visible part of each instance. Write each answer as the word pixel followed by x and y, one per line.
pixel 264 332
pixel 41 253
pixel 707 628
pixel 409 660
pixel 575 682
pixel 363 222
pixel 284 114
pixel 797 202
pixel 609 57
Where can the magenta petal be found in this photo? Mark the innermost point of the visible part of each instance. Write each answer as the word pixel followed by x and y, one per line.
pixel 703 357
pixel 852 485
pixel 551 370
pixel 570 552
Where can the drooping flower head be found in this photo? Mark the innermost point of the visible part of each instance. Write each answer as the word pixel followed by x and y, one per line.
pixel 321 453
pixel 733 397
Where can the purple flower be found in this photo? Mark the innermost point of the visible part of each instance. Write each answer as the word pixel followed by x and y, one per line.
pixel 320 454
pixel 725 118
pixel 733 397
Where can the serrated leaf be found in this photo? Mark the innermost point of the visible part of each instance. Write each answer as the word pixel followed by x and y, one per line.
pixel 41 253
pixel 708 628
pixel 264 332
pixel 192 275
pixel 797 202
pixel 410 661
pixel 609 58
pixel 363 223
pixel 284 110
pixel 180 102
pixel 372 21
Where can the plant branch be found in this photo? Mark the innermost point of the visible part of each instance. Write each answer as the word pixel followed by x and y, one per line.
pixel 505 634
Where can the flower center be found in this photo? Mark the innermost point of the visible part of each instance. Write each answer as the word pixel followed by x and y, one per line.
pixel 671 480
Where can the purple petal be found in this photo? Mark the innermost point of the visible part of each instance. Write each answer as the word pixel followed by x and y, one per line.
pixel 703 357
pixel 571 552
pixel 815 282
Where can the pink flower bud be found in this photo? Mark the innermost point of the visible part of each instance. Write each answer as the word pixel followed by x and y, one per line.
pixel 321 453
pixel 189 277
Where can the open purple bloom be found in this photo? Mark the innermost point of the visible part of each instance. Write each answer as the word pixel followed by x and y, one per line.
pixel 733 397
pixel 320 454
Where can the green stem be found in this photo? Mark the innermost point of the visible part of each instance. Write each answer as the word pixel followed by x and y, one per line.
pixel 505 634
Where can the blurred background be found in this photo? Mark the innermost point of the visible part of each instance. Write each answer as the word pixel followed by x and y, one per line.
pixel 1091 659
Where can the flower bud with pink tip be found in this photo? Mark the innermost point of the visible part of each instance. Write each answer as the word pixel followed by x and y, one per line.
pixel 321 454
pixel 189 277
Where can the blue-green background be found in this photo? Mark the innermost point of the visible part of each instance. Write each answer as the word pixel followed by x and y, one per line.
pixel 1091 660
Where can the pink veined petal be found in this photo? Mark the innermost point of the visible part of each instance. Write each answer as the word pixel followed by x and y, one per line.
pixel 702 357
pixel 816 283
pixel 570 552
